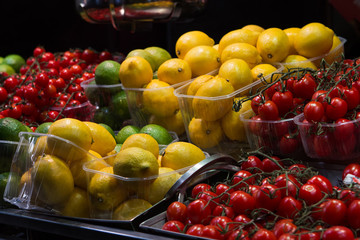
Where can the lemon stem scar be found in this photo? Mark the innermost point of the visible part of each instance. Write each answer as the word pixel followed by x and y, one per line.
pixel 270 56
pixel 180 69
pixel 208 132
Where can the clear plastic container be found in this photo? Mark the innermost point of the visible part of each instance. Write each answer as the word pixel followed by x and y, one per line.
pixel 279 137
pixel 330 142
pixel 82 112
pixel 7 150
pixel 220 135
pixel 110 103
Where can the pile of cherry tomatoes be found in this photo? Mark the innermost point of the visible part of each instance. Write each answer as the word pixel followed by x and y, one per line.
pixel 49 81
pixel 270 198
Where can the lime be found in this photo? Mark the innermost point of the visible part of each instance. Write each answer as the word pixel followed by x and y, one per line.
pixel 10 129
pixel 120 106
pixel 3 181
pixel 1 60
pixel 107 73
pixel 107 127
pixel 125 132
pixel 118 147
pixel 161 135
pixel 15 61
pixel 104 115
pixel 7 68
pixel 144 54
pixel 159 55
pixel 43 128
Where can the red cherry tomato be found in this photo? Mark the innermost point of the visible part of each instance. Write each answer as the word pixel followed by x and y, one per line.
pixel 352 214
pixel 283 100
pixel 264 234
pixel 241 202
pixel 322 182
pixel 223 210
pixel 314 111
pixel 305 87
pixel 338 233
pixel 198 211
pixel 268 197
pixel 201 187
pixel 268 111
pixel 289 207
pixel 333 211
pixel 252 164
pixel 270 165
pixel 336 109
pixel 173 226
pixel 284 226
pixel 224 190
pixel 176 211
pixel 242 179
pixel 310 193
pixel 196 230
pixel 210 197
pixel 288 185
pixel 352 168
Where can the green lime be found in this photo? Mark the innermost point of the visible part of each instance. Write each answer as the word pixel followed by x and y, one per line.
pixel 6 68
pixel 3 182
pixel 118 147
pixel 125 132
pixel 159 55
pixel 104 115
pixel 15 61
pixel 107 127
pixel 144 54
pixel 107 73
pixel 120 106
pixel 161 135
pixel 1 60
pixel 43 128
pixel 10 129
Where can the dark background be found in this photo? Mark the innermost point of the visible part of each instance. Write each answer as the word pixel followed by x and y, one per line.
pixel 58 27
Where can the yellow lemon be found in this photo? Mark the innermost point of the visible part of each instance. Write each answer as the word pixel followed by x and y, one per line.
pixel 105 190
pixel 231 124
pixel 214 106
pixel 135 162
pixel 162 184
pixel 298 61
pixel 237 71
pixel 77 205
pixel 135 72
pixel 40 147
pixel 197 83
pixel 244 51
pixel 97 155
pixel 159 99
pixel 53 181
pixel 191 39
pixel 178 155
pixel 273 45
pixel 205 134
pixel 174 71
pixel 292 33
pixel 254 27
pixel 314 39
pixel 144 54
pixel 103 141
pixel 130 209
pixel 79 174
pixel 202 60
pixel 262 70
pixel 174 123
pixel 336 51
pixel 216 46
pixel 238 36
pixel 73 130
pixel 144 141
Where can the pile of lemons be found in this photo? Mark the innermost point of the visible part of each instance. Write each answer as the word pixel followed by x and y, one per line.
pixel 77 172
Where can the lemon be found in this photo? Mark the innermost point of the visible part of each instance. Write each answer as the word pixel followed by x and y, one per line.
pixel 7 69
pixel 254 27
pixel 202 60
pixel 273 45
pixel 262 70
pixel 77 205
pixel 162 184
pixel 135 72
pixel 107 73
pixel 237 71
pixel 103 141
pixel 73 130
pixel 205 134
pixel 197 83
pixel 214 108
pixel 174 123
pixel 178 155
pixel 52 178
pixel 105 191
pixel 110 157
pixel 231 124
pixel 314 39
pixel 10 129
pixel 144 141
pixel 130 209
pixel 238 36
pixel 159 133
pixel 174 71
pixel 95 154
pixel 108 128
pixel 79 174
pixel 244 51
pixel 125 132
pixel 144 54
pixel 159 55
pixel 216 46
pixel 336 51
pixel 15 61
pixel 135 162
pixel 191 39
pixel 298 61
pixel 159 99
pixel 292 33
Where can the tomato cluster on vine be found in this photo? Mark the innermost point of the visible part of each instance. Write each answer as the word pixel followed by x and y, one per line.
pixel 49 81
pixel 267 199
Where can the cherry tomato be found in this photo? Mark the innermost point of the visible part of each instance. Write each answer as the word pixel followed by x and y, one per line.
pixel 264 234
pixel 28 108
pixel 323 145
pixel 297 167
pixel 74 88
pixel 11 83
pixel 344 128
pixel 105 55
pixel 270 165
pixel 212 232
pixel 310 193
pixel 336 109
pixel 314 111
pixel 288 184
pixel 352 168
pixel 223 222
pixel 15 111
pixel 176 211
pixel 284 226
pixel 268 197
pixel 242 179
pixel 256 102
pixel 252 164
pixel 305 87
pixel 76 69
pixel 223 190
pixel 65 74
pixel 333 211
pixel 321 97
pixel 89 56
pixel 198 211
pixel 322 182
pixel 269 92
pixel 223 210
pixel 3 94
pixel 283 101
pixel 173 226
pixel 38 51
pixel 289 144
pixel 196 230
pixel 210 197
pixel 239 234
pixel 241 202
pixel 347 196
pixel 352 214
pixel 201 187
pixel 338 233
pixel 289 207
pixel 351 96
pixel 268 111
